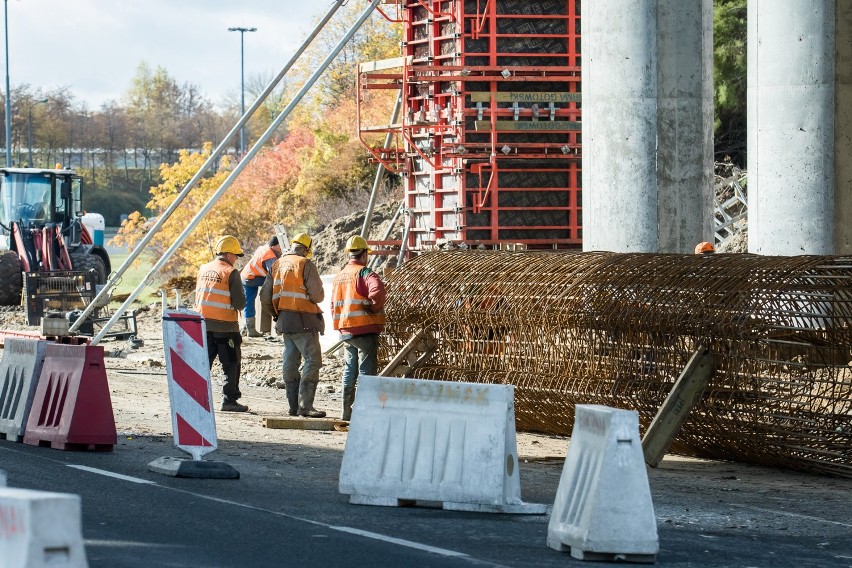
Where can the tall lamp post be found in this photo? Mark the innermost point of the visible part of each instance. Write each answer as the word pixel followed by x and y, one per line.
pixel 242 83
pixel 8 100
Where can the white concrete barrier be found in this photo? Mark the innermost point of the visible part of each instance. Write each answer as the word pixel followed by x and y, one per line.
pixel 603 508
pixel 419 440
pixel 20 369
pixel 40 529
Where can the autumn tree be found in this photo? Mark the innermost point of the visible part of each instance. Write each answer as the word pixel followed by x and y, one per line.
pixel 729 76
pixel 246 210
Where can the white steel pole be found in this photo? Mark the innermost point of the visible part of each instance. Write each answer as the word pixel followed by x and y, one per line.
pixel 137 250
pixel 239 168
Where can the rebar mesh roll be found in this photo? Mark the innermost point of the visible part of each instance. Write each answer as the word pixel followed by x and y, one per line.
pixel 617 329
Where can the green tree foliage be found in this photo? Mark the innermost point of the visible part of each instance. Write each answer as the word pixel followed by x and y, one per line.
pixel 729 76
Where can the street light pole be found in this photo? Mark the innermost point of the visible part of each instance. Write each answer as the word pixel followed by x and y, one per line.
pixel 242 83
pixel 8 100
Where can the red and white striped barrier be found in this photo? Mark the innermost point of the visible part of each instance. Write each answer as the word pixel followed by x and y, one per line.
pixel 190 390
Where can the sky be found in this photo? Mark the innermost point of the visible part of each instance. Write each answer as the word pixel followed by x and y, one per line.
pixel 94 46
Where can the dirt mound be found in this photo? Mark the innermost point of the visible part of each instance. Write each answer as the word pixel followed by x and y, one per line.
pixel 329 255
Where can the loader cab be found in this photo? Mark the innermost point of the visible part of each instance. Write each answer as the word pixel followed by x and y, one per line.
pixel 34 197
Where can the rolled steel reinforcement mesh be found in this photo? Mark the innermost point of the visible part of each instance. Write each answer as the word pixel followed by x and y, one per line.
pixel 618 329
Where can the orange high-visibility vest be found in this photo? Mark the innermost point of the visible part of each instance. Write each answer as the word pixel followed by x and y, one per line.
pixel 288 285
pixel 255 267
pixel 213 293
pixel 348 306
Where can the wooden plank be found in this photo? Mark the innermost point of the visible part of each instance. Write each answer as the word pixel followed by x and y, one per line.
pixel 685 393
pixel 517 97
pixel 485 125
pixel 301 423
pixel 392 63
pixel 415 351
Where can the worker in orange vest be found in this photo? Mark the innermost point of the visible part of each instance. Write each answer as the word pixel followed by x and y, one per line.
pixel 292 296
pixel 357 301
pixel 253 276
pixel 219 297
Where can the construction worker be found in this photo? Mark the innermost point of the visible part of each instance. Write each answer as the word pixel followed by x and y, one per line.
pixel 219 297
pixel 253 276
pixel 292 296
pixel 357 301
pixel 705 248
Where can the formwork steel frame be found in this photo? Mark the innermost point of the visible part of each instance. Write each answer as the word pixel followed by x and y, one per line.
pixel 490 140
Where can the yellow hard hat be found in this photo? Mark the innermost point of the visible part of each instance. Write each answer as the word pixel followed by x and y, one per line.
pixel 356 243
pixel 305 240
pixel 704 248
pixel 228 243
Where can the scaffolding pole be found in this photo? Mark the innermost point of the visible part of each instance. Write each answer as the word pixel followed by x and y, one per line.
pixel 239 168
pixel 115 277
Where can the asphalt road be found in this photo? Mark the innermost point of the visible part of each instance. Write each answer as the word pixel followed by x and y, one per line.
pixel 709 514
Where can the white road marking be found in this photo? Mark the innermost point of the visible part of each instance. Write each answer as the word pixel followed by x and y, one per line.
pixel 399 541
pixel 788 514
pixel 111 474
pixel 350 530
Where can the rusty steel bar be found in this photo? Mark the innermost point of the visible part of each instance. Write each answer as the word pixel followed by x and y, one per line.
pixel 617 329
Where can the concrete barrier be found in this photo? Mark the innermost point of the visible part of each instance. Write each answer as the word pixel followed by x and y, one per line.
pixel 38 528
pixel 418 440
pixel 603 508
pixel 72 409
pixel 19 372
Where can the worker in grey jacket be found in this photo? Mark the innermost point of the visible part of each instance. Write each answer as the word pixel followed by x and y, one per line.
pixel 292 296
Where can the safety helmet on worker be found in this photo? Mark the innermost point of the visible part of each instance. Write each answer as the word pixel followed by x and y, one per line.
pixel 704 248
pixel 228 243
pixel 306 241
pixel 357 243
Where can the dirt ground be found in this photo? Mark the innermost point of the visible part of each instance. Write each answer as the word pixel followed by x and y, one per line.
pixel 140 394
pixel 140 397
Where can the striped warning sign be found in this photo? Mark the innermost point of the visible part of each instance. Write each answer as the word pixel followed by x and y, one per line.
pixel 190 390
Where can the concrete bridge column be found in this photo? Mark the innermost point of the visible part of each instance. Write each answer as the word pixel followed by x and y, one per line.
pixel 798 126
pixel 647 125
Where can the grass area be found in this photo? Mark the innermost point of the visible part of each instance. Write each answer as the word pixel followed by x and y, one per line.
pixel 132 277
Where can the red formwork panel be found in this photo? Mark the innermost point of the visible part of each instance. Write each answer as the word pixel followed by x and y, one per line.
pixel 491 144
pixel 72 408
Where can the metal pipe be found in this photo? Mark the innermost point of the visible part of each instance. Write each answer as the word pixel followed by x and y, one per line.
pixel 374 260
pixel 404 238
pixel 137 250
pixel 380 173
pixel 239 168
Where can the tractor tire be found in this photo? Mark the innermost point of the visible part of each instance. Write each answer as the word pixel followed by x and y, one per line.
pixel 11 279
pixel 84 262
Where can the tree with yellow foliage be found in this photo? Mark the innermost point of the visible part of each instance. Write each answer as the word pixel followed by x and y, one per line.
pixel 246 211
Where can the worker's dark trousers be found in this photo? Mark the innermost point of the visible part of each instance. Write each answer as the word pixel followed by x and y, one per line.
pixel 226 346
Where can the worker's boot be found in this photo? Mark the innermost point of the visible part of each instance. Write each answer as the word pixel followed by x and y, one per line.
pixel 292 389
pixel 307 391
pixel 265 323
pixel 249 330
pixel 348 400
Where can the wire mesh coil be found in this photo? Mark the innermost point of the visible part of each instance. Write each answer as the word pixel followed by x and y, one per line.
pixel 618 329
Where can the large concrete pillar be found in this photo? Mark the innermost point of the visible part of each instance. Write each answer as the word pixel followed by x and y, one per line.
pixel 647 125
pixel 792 150
pixel 684 124
pixel 843 130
